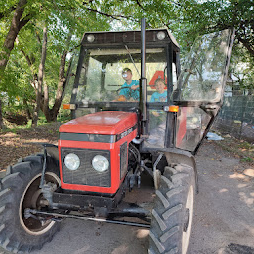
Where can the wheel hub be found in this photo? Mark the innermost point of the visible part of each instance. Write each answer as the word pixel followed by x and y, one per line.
pixel 32 198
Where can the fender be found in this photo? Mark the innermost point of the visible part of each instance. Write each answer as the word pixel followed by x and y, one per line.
pixel 174 155
pixel 178 156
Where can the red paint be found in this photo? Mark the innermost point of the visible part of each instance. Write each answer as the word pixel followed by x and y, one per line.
pixel 182 123
pixel 100 123
pixel 105 122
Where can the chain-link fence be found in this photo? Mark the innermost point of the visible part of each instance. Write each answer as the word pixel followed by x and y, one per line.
pixel 237 117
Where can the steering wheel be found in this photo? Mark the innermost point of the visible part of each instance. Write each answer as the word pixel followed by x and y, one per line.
pixel 130 93
pixel 122 97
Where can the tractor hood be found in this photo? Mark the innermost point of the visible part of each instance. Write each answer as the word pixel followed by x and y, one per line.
pixel 105 123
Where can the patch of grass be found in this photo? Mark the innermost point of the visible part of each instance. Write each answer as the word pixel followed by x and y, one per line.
pixel 64 115
pixel 14 128
pixel 247 159
pixel 245 145
pixel 243 149
pixel 11 127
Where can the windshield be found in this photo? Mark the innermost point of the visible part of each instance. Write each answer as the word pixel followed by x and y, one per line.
pixel 112 75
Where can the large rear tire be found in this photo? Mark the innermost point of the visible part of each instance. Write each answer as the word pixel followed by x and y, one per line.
pixel 173 211
pixel 20 190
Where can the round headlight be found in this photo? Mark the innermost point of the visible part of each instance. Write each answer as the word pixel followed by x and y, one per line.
pixel 100 163
pixel 72 161
pixel 161 35
pixel 90 38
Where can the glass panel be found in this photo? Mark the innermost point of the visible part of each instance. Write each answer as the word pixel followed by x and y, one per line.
pixel 93 81
pixel 102 78
pixel 203 75
pixel 157 128
pixel 156 81
pixel 191 125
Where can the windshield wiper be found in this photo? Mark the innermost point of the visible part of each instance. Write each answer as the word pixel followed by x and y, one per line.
pixel 132 60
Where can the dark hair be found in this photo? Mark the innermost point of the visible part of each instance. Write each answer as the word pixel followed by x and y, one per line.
pixel 159 80
pixel 126 69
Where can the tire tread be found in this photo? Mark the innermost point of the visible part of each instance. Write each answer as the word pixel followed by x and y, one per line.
pixel 168 212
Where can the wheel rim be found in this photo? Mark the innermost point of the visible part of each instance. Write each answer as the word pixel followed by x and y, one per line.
pixel 32 198
pixel 189 209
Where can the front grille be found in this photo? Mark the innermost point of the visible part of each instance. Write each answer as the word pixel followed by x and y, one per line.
pixel 123 159
pixel 86 174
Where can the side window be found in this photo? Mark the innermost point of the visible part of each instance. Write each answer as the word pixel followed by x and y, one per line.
pixel 90 80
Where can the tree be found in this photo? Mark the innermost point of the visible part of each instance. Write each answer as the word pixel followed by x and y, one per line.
pixel 16 25
pixel 219 15
pixel 187 19
pixel 60 18
pixel 40 79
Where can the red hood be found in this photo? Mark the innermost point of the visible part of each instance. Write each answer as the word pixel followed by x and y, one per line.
pixel 105 122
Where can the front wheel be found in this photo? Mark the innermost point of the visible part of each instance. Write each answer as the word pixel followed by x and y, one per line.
pixel 20 190
pixel 173 211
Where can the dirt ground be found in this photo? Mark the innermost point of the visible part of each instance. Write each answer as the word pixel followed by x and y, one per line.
pixel 24 142
pixel 224 208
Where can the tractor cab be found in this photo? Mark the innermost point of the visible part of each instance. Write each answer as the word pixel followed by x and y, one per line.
pixel 176 107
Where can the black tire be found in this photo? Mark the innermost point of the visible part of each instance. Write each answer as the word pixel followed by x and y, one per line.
pixel 20 190
pixel 173 211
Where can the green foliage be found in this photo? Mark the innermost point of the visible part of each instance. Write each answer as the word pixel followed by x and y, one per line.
pixel 15 84
pixel 67 20
pixel 246 159
pixel 64 116
pixel 242 67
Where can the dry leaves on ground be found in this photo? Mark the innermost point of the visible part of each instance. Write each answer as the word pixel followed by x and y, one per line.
pixel 14 145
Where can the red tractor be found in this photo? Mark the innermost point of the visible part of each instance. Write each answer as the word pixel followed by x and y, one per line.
pixel 136 116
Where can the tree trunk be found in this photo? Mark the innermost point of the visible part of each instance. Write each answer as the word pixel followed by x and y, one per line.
pixel 61 83
pixel 28 113
pixel 31 66
pixel 247 44
pixel 40 78
pixel 1 116
pixel 45 108
pixel 60 88
pixel 16 25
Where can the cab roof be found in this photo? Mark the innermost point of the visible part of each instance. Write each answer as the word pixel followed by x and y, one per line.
pixel 108 38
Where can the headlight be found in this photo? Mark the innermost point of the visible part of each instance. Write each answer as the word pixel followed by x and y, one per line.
pixel 100 163
pixel 90 38
pixel 161 35
pixel 72 161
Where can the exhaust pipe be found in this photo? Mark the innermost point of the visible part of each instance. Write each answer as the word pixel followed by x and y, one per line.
pixel 143 80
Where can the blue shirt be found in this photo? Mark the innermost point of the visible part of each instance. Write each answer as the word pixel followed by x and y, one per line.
pixel 159 97
pixel 128 92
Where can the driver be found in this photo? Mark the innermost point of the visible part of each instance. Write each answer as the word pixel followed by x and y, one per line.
pixel 130 88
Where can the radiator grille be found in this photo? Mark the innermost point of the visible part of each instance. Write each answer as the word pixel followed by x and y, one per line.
pixel 123 159
pixel 86 174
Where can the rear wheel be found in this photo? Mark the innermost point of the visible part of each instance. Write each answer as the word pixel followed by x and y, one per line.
pixel 173 211
pixel 20 190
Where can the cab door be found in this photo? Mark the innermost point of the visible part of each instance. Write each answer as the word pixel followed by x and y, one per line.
pixel 200 87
